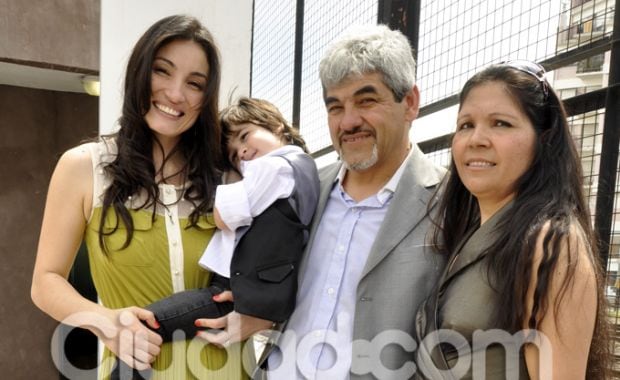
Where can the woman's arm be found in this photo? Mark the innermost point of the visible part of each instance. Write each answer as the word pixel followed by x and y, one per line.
pixel 569 327
pixel 67 209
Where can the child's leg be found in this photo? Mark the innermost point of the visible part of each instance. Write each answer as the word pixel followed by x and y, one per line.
pixel 180 310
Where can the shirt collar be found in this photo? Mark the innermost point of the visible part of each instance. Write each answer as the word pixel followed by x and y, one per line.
pixel 389 188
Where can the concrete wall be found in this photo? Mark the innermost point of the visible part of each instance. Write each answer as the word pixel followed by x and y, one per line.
pixel 51 33
pixel 36 126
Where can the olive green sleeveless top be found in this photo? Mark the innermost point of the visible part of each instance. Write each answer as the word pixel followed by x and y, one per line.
pixel 161 259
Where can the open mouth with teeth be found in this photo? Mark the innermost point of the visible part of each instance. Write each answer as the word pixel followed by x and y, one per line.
pixel 480 164
pixel 167 110
pixel 356 137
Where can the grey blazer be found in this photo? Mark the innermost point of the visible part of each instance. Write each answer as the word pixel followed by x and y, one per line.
pixel 400 273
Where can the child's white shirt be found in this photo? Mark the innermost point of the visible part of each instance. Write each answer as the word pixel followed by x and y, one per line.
pixel 265 180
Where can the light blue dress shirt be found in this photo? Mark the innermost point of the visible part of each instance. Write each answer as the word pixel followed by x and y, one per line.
pixel 319 334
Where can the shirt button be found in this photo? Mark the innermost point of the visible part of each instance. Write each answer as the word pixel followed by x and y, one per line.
pixel 168 191
pixel 174 244
pixel 330 291
pixel 341 248
pixel 176 272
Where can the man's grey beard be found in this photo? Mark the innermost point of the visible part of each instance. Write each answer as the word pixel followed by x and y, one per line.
pixel 364 164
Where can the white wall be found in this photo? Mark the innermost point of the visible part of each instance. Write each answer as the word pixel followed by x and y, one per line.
pixel 122 23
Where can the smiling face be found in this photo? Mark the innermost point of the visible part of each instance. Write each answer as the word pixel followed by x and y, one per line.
pixel 248 141
pixel 369 129
pixel 178 82
pixel 493 146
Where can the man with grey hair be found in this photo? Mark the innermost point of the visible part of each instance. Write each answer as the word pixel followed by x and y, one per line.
pixel 367 266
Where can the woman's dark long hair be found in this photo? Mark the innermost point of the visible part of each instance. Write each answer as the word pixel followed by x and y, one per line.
pixel 133 170
pixel 549 192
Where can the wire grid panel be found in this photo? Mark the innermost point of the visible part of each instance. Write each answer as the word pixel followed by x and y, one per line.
pixel 324 20
pixel 613 264
pixel 584 21
pixel 273 53
pixel 587 132
pixel 441 157
pixel 612 282
pixel 458 38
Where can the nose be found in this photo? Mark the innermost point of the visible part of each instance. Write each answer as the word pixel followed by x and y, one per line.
pixel 174 92
pixel 351 118
pixel 241 152
pixel 479 136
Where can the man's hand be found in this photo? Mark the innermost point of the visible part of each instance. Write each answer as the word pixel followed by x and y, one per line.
pixel 235 327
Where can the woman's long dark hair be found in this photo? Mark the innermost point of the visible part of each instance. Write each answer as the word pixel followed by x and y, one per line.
pixel 549 192
pixel 133 170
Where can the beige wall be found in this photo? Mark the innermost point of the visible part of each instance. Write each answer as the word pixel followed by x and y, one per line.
pixel 51 33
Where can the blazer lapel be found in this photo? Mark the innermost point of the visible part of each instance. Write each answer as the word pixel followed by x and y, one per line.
pixel 474 245
pixel 407 208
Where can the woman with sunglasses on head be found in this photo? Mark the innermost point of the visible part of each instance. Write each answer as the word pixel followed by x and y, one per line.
pixel 522 295
pixel 140 200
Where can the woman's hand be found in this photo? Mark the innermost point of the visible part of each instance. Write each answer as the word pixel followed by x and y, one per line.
pixel 235 327
pixel 129 339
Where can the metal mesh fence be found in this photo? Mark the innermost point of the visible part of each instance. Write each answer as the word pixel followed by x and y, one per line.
pixel 458 38
pixel 584 21
pixel 323 21
pixel 273 48
pixel 587 131
pixel 612 288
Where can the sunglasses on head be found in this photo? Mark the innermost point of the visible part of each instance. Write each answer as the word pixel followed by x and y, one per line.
pixel 531 68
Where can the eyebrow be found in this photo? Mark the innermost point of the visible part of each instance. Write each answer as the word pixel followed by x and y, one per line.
pixel 369 89
pixel 169 62
pixel 492 114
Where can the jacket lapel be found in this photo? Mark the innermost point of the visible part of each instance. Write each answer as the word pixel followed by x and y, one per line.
pixel 474 245
pixel 407 208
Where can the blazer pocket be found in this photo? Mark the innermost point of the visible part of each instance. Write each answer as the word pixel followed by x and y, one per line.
pixel 275 273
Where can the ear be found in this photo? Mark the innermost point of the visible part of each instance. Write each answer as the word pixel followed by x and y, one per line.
pixel 412 103
pixel 280 131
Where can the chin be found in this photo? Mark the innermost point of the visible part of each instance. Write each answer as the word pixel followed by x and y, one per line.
pixel 361 165
pixel 364 163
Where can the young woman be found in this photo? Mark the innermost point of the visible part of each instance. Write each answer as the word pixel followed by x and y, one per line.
pixel 523 273
pixel 140 199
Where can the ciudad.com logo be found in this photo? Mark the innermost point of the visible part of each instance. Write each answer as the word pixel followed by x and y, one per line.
pixel 295 359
